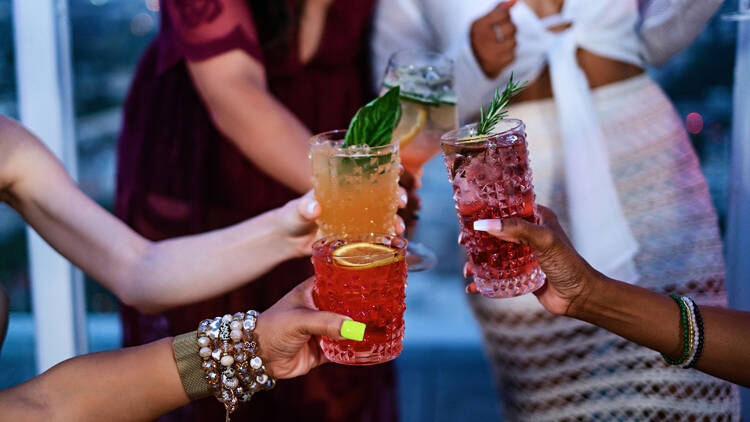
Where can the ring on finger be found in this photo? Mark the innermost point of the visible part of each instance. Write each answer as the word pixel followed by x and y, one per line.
pixel 498 29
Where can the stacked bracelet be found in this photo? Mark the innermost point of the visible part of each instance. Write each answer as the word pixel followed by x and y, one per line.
pixel 691 328
pixel 697 322
pixel 231 363
pixel 685 334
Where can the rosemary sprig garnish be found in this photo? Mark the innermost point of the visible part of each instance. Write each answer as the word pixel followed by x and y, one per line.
pixel 496 111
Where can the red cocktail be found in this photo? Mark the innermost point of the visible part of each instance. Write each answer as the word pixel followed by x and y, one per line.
pixel 363 277
pixel 491 179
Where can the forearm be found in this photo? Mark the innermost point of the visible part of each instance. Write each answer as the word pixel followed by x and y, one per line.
pixel 133 384
pixel 188 269
pixel 653 320
pixel 146 275
pixel 268 134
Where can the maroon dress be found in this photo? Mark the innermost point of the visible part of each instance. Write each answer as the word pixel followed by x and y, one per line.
pixel 178 175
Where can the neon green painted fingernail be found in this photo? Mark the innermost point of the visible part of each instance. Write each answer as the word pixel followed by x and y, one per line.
pixel 353 330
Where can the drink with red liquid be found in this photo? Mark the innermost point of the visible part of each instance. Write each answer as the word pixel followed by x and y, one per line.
pixel 491 179
pixel 363 277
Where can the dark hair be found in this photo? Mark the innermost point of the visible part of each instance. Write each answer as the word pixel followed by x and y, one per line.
pixel 273 20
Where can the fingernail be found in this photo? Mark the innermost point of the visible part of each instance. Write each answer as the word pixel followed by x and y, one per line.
pixel 404 198
pixel 488 225
pixel 311 207
pixel 353 330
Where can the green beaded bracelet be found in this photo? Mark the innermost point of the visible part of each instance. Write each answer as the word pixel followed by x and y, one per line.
pixel 685 334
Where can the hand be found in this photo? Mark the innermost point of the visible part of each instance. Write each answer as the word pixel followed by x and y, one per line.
pixel 409 202
pixel 287 333
pixel 569 277
pixel 297 223
pixel 493 39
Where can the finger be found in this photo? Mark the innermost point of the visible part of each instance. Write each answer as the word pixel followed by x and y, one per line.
pixel 308 208
pixel 403 197
pixel 471 288
pixel 500 12
pixel 520 231
pixel 328 324
pixel 549 219
pixel 400 225
pixel 504 33
pixel 299 297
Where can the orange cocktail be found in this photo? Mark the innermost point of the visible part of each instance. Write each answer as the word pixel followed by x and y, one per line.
pixel 356 186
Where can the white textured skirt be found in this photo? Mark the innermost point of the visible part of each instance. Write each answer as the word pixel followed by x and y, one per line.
pixel 553 368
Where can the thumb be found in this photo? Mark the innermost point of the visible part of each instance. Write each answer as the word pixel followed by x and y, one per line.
pixel 329 324
pixel 518 230
pixel 308 208
pixel 298 215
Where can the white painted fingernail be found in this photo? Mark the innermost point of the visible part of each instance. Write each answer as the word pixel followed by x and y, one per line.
pixel 404 198
pixel 311 207
pixel 488 225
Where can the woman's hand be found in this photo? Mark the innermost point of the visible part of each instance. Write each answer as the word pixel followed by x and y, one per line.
pixel 297 222
pixel 493 39
pixel 569 277
pixel 287 333
pixel 409 203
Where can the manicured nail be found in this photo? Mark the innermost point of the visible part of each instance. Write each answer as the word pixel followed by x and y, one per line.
pixel 488 225
pixel 404 198
pixel 353 330
pixel 311 207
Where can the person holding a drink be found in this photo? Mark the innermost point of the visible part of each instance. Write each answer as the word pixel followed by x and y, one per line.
pixel 610 155
pixel 215 131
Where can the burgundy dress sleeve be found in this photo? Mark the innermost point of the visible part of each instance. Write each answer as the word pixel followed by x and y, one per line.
pixel 196 30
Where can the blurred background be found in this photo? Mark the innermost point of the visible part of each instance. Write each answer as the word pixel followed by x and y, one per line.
pixel 448 375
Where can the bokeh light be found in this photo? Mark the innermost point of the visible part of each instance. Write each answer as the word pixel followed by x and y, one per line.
pixel 141 24
pixel 694 123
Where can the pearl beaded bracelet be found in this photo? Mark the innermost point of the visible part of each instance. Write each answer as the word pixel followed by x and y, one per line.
pixel 231 363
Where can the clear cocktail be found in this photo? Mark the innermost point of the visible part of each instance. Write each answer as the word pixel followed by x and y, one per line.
pixel 363 277
pixel 357 186
pixel 428 110
pixel 491 178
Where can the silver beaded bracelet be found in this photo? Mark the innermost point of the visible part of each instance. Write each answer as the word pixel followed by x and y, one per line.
pixel 231 363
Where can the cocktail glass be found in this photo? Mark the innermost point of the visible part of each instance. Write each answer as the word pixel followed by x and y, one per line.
pixel 428 105
pixel 363 277
pixel 357 187
pixel 491 178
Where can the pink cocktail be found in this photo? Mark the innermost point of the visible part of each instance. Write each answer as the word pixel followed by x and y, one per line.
pixel 491 178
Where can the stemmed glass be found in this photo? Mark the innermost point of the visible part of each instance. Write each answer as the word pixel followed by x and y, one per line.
pixel 428 104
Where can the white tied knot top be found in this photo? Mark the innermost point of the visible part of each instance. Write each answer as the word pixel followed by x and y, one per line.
pixel 631 31
pixel 599 229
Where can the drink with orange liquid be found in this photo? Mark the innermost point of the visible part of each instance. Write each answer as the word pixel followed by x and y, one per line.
pixel 356 186
pixel 363 277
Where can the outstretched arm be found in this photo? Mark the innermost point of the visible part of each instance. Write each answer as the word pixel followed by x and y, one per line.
pixel 651 319
pixel 148 275
pixel 142 383
pixel 133 384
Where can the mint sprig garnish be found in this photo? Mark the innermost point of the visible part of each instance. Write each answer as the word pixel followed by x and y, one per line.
pixel 374 123
pixel 496 111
